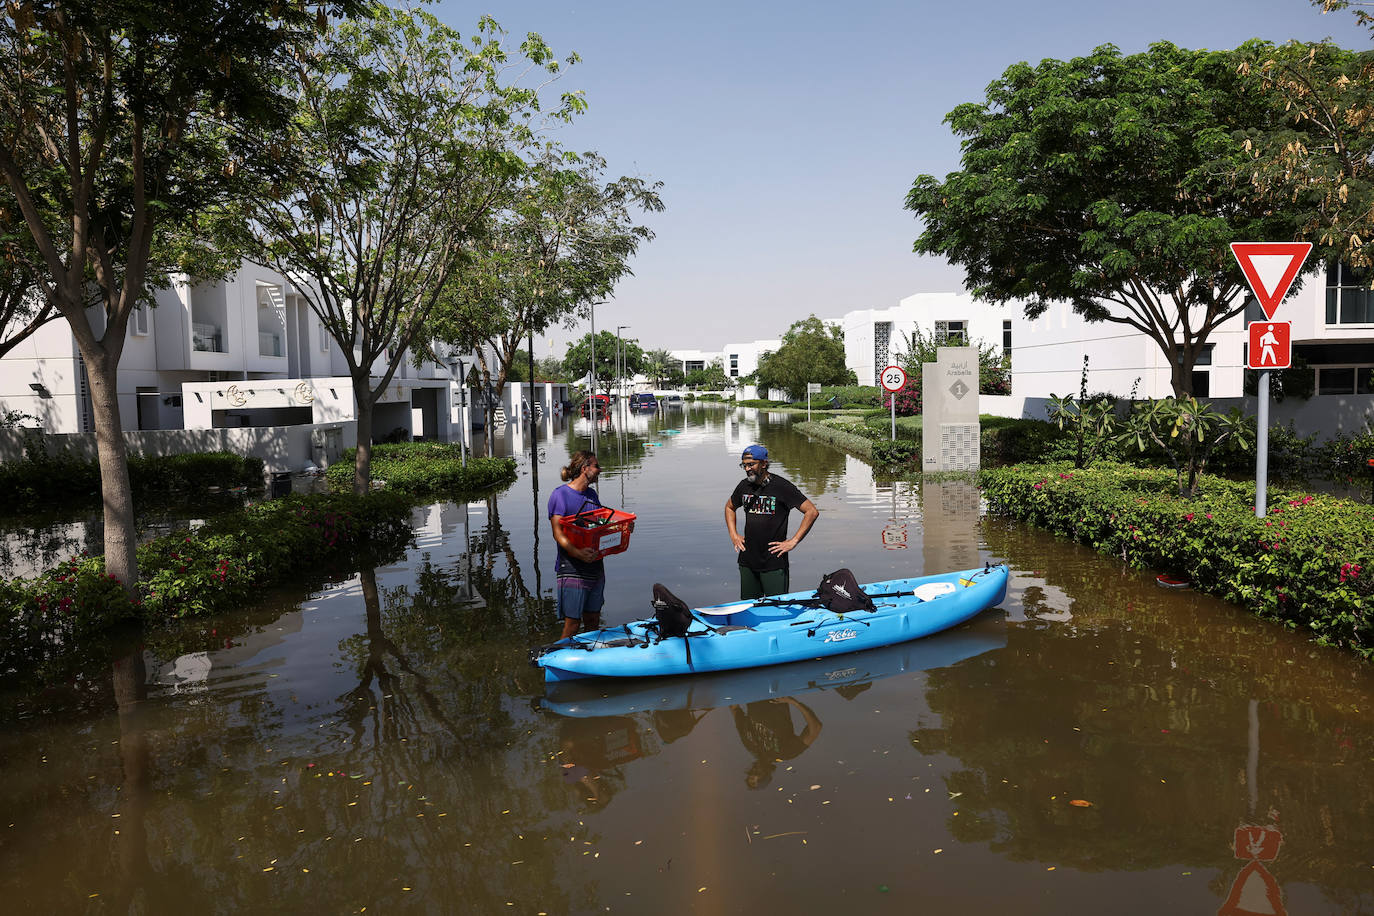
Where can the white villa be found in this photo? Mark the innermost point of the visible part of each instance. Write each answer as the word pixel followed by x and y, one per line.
pixel 1332 318
pixel 247 352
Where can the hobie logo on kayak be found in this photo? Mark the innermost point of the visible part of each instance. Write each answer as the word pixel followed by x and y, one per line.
pixel 840 590
pixel 841 635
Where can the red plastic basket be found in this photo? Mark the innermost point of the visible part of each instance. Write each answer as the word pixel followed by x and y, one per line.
pixel 604 530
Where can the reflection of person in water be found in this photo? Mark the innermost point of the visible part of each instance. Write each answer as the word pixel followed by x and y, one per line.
pixel 766 730
pixel 592 750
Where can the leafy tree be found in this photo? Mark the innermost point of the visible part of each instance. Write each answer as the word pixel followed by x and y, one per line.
pixel 1108 182
pixel 994 365
pixel 1315 160
pixel 127 128
pixel 550 369
pixel 577 362
pixel 562 241
pixel 410 136
pixel 663 368
pixel 712 378
pixel 23 308
pixel 1090 421
pixel 810 352
pixel 1188 432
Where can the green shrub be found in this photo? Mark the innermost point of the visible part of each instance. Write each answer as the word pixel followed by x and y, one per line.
pixel 1309 564
pixel 425 469
pixel 898 453
pixel 850 396
pixel 839 433
pixel 194 472
pixel 220 566
pixel 1013 441
pixel 43 481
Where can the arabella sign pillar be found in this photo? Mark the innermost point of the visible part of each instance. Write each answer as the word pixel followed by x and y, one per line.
pixel 949 406
pixel 1270 268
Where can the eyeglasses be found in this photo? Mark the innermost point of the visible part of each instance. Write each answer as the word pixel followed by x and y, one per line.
pixel 748 464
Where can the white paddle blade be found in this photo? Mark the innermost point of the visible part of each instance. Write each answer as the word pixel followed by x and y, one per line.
pixel 725 609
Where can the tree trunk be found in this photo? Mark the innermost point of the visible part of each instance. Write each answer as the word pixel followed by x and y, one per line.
pixel 121 541
pixel 1182 379
pixel 362 462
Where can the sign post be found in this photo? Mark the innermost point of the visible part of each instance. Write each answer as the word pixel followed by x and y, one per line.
pixel 894 380
pixel 1270 268
pixel 811 388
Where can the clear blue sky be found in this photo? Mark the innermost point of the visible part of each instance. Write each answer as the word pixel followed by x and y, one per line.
pixel 787 133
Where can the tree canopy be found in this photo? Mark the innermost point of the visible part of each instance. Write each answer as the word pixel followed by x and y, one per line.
pixel 127 130
pixel 810 352
pixel 1108 182
pixel 409 136
pixel 560 241
pixel 1315 160
pixel 577 362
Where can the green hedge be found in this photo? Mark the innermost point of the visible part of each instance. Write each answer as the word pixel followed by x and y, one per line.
pixel 217 567
pixel 425 469
pixel 42 481
pixel 1309 564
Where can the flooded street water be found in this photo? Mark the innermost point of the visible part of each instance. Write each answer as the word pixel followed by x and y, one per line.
pixel 382 743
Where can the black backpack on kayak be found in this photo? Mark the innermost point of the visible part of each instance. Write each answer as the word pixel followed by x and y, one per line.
pixel 671 612
pixel 840 592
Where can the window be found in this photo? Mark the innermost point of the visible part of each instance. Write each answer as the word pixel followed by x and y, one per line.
pixel 138 322
pixel 1202 375
pixel 951 333
pixel 734 365
pixel 1345 380
pixel 693 365
pixel 1006 338
pixel 271 319
pixel 324 339
pixel 1349 299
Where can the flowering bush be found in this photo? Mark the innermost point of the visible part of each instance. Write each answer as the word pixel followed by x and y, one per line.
pixel 908 399
pixel 1306 564
pixel 60 608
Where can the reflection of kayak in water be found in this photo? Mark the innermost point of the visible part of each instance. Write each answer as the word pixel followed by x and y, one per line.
pixel 847 674
pixel 773 631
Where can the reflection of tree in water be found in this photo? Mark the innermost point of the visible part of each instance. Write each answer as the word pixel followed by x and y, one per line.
pixel 420 776
pixel 1140 706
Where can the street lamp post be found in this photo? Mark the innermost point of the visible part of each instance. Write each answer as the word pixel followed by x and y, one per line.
pixel 620 358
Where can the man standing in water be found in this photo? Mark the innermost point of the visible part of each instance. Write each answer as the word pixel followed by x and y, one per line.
pixel 581 573
pixel 766 499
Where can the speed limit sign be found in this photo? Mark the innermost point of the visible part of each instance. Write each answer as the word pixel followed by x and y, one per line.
pixel 894 378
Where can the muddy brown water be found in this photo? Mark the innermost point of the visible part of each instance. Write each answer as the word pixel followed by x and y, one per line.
pixel 1097 744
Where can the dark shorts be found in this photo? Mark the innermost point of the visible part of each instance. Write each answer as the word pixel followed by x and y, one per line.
pixel 754 584
pixel 578 596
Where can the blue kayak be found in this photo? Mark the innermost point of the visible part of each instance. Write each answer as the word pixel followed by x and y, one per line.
pixel 586 698
pixel 786 628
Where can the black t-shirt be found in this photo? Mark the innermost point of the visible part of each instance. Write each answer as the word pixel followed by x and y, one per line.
pixel 765 508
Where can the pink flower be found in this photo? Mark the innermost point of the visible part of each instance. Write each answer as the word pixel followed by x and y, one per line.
pixel 1188 517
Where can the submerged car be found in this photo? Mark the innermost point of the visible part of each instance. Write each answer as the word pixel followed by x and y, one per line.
pixel 596 405
pixel 643 401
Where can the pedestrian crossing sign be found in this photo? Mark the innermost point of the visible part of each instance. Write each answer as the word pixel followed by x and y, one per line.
pixel 1270 345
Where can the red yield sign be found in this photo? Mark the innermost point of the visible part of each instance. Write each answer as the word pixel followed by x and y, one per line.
pixel 1270 345
pixel 1270 268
